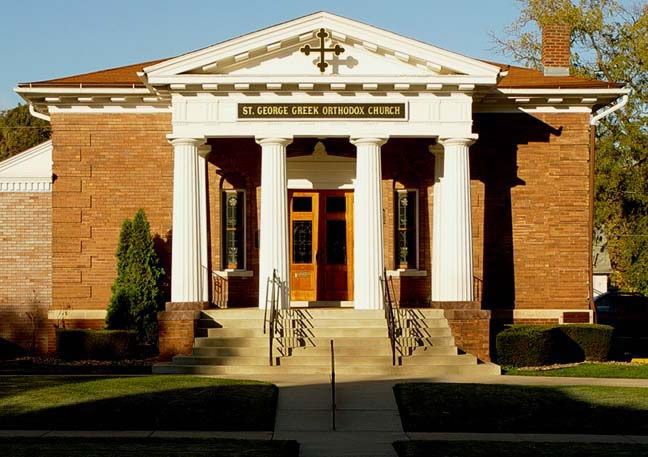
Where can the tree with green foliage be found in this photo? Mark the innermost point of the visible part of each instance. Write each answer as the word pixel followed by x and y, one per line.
pixel 136 292
pixel 19 130
pixel 609 42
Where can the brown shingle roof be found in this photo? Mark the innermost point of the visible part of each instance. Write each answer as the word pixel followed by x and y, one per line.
pixel 517 78
pixel 525 78
pixel 120 76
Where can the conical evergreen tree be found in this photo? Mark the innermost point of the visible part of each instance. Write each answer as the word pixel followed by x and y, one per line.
pixel 118 313
pixel 136 295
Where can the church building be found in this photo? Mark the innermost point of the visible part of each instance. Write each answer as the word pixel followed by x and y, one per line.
pixel 345 160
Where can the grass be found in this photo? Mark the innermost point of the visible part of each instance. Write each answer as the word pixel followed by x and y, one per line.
pixel 148 447
pixel 508 449
pixel 430 407
pixel 589 370
pixel 135 403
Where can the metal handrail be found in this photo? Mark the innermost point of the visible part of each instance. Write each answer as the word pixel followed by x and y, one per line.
pixel 333 403
pixel 389 315
pixel 270 314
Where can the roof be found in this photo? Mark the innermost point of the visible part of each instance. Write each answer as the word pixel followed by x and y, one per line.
pixel 514 77
pixel 517 78
pixel 120 76
pixel 523 78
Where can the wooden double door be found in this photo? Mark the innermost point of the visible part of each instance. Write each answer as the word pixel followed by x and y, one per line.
pixel 321 245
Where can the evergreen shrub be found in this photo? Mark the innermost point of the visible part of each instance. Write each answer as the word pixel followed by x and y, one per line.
pixel 537 345
pixel 526 345
pixel 136 293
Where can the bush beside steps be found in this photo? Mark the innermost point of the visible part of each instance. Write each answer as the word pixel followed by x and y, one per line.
pixel 537 345
pixel 81 344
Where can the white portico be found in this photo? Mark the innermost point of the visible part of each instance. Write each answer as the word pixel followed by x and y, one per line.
pixel 378 86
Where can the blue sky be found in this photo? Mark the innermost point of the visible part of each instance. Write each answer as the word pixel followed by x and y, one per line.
pixel 54 38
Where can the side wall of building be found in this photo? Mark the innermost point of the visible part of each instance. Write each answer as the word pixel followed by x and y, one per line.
pixel 25 268
pixel 106 167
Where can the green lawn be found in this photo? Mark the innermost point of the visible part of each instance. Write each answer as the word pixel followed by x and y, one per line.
pixel 148 447
pixel 135 403
pixel 507 449
pixel 589 370
pixel 430 407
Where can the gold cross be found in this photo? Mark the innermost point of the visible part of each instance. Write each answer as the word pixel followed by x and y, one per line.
pixel 337 50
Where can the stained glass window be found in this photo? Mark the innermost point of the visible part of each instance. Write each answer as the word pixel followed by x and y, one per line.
pixel 233 205
pixel 302 241
pixel 406 207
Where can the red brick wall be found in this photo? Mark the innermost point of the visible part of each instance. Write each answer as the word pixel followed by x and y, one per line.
pixel 106 167
pixel 25 267
pixel 234 164
pixel 531 209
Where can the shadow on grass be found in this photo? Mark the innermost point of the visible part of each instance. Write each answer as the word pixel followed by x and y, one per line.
pixel 136 403
pixel 428 407
pixel 145 447
pixel 512 449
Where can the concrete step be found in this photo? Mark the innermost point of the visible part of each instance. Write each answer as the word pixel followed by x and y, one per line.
pixel 382 349
pixel 310 313
pixel 420 313
pixel 360 342
pixel 331 332
pixel 221 361
pixel 377 361
pixel 427 360
pixel 316 323
pixel 398 371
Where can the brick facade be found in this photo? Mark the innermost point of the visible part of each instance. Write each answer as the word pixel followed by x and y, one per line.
pixel 530 212
pixel 106 166
pixel 25 268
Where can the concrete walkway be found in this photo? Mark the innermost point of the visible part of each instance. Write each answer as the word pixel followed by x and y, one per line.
pixel 367 420
pixel 367 417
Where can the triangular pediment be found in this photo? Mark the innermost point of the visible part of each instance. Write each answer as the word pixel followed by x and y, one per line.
pixel 28 171
pixel 276 51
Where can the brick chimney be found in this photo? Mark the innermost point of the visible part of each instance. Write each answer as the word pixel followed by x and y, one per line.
pixel 556 41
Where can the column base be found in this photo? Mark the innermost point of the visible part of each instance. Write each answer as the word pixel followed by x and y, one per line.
pixel 177 327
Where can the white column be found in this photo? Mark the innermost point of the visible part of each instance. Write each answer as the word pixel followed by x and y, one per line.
pixel 437 150
pixel 273 239
pixel 368 224
pixel 186 276
pixel 452 266
pixel 203 152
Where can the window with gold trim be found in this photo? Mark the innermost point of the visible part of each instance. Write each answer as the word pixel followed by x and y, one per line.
pixel 406 227
pixel 233 223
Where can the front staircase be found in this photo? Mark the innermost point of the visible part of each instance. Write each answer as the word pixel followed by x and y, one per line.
pixel 232 342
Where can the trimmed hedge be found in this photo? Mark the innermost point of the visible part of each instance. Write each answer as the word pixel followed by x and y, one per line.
pixel 80 344
pixel 595 341
pixel 536 345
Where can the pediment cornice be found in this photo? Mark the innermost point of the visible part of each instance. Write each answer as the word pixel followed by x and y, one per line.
pixel 216 61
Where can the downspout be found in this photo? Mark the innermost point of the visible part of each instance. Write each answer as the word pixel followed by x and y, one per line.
pixel 38 115
pixel 594 120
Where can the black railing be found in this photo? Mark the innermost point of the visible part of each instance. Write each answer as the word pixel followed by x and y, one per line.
pixel 274 290
pixel 333 403
pixel 392 327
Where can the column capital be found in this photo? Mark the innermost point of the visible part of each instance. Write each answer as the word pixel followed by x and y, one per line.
pixel 376 140
pixel 204 150
pixel 436 149
pixel 187 141
pixel 457 141
pixel 284 141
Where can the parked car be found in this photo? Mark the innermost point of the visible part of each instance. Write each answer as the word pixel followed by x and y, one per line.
pixel 627 312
